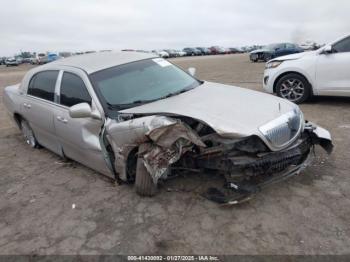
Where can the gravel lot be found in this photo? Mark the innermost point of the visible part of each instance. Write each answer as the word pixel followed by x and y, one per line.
pixel 308 214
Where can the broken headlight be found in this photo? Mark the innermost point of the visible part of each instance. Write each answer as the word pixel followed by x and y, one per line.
pixel 283 130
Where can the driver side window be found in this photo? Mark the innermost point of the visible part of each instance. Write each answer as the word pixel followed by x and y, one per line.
pixel 73 90
pixel 342 46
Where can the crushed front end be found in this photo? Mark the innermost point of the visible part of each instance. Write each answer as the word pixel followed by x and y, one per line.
pixel 279 149
pixel 248 165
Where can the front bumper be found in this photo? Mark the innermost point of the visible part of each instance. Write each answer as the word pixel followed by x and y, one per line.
pixel 247 175
pixel 270 76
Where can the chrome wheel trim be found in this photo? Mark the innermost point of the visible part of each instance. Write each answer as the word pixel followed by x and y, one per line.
pixel 28 134
pixel 292 89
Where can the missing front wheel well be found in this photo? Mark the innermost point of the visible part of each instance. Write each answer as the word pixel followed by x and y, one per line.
pixel 131 164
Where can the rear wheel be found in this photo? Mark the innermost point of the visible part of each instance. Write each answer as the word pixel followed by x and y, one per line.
pixel 294 88
pixel 144 184
pixel 28 134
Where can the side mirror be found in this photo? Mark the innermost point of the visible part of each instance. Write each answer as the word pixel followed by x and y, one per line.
pixel 327 49
pixel 81 110
pixel 192 71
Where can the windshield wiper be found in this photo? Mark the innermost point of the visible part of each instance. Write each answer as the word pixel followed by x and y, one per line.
pixel 175 93
pixel 128 105
pixel 141 102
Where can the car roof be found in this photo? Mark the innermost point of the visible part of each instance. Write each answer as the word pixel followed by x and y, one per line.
pixel 94 62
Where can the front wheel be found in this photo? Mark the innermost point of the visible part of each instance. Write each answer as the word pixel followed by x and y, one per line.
pixel 144 184
pixel 28 134
pixel 294 88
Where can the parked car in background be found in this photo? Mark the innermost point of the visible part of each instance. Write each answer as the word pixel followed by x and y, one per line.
pixel 11 61
pixel 2 60
pixel 234 50
pixel 65 54
pixel 217 50
pixel 192 51
pixel 53 57
pixel 274 50
pixel 324 72
pixel 161 53
pixel 171 52
pixel 19 59
pixel 204 50
pixel 26 60
pixel 181 53
pixel 46 58
pixel 309 46
pixel 38 59
pixel 33 60
pixel 140 119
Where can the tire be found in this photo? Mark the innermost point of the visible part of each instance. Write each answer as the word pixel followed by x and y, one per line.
pixel 28 134
pixel 294 87
pixel 144 185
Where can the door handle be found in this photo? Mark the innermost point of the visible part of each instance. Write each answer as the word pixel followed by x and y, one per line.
pixel 27 105
pixel 62 119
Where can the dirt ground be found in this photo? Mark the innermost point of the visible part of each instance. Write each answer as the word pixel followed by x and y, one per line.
pixel 308 214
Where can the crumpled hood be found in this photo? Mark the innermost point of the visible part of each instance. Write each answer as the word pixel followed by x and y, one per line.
pixel 231 111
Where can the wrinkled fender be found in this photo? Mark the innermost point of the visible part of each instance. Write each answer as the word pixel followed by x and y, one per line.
pixel 162 132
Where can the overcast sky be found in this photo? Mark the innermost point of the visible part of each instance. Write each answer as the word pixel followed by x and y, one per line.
pixel 74 25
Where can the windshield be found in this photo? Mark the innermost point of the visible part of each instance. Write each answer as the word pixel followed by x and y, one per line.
pixel 141 82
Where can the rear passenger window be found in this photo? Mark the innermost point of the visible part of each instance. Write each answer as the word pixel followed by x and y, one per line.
pixel 42 85
pixel 73 90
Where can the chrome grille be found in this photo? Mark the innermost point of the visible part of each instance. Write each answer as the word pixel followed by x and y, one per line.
pixel 283 129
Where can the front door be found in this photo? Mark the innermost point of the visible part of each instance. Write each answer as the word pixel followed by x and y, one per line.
pixel 79 137
pixel 333 70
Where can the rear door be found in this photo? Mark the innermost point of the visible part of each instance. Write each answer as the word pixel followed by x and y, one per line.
pixel 79 137
pixel 38 108
pixel 333 70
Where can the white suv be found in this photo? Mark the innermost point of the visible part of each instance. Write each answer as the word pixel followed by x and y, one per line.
pixel 324 72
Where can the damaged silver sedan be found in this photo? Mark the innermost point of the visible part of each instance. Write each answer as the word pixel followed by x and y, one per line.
pixel 139 119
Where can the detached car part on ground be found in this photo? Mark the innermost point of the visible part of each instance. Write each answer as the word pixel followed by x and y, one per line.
pixel 140 119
